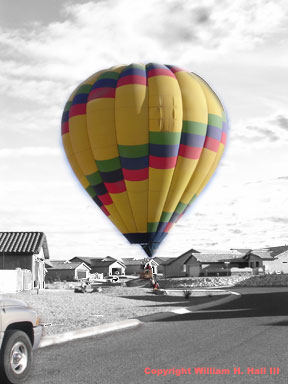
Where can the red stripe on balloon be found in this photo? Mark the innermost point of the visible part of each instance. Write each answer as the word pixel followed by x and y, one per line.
pixel 176 69
pixel 212 144
pixel 116 187
pixel 189 152
pixel 77 109
pixel 162 162
pixel 160 72
pixel 105 210
pixel 168 227
pixel 106 199
pixel 65 128
pixel 223 138
pixel 102 93
pixel 135 174
pixel 131 79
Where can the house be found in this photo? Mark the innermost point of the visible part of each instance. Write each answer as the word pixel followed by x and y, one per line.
pixel 219 264
pixel 175 266
pixel 272 260
pixel 62 270
pixel 27 251
pixel 194 263
pixel 108 266
pixel 134 266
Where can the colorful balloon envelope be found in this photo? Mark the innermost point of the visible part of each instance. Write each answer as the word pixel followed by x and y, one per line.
pixel 144 140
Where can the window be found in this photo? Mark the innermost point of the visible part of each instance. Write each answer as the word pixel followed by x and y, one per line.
pixel 184 268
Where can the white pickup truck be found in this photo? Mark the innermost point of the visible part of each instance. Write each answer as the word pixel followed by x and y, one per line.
pixel 20 334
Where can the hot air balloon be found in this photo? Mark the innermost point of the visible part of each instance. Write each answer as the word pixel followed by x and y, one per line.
pixel 144 140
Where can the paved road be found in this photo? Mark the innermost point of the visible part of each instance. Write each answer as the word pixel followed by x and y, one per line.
pixel 249 332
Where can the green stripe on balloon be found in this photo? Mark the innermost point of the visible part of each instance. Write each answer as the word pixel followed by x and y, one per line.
pixel 133 151
pixel 180 207
pixel 108 165
pixel 165 217
pixel 194 127
pixel 94 178
pixel 109 75
pixel 164 138
pixel 68 106
pixel 152 227
pixel 85 88
pixel 91 191
pixel 215 120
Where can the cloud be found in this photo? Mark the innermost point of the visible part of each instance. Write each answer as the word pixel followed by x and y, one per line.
pixel 270 131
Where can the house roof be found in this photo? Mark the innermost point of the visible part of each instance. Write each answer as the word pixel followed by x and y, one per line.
pixel 130 261
pixel 105 263
pixel 182 258
pixel 61 264
pixel 48 264
pixel 263 254
pixel 23 243
pixel 85 259
pixel 218 257
pixel 164 260
pixel 275 251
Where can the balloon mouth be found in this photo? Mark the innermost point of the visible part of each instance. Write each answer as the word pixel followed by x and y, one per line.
pixel 150 248
pixel 146 240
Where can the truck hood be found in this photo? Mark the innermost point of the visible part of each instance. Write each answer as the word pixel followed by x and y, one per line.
pixel 8 302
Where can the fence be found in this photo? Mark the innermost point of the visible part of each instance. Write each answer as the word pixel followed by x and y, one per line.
pixel 16 280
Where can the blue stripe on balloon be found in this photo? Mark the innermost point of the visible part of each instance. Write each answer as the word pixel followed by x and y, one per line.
pixel 81 98
pixel 214 132
pixel 192 140
pixel 136 163
pixel 112 176
pixel 102 83
pixel 163 150
pixel 133 71
pixel 65 116
pixel 100 189
pixel 155 66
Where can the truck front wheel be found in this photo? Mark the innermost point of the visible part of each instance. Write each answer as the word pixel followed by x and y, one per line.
pixel 15 357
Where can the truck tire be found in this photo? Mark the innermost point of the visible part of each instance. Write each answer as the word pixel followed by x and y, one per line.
pixel 15 357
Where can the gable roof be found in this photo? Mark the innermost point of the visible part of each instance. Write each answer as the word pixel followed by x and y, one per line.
pixel 282 254
pixel 263 254
pixel 85 259
pixel 61 264
pixel 23 243
pixel 182 258
pixel 164 260
pixel 275 251
pixel 218 257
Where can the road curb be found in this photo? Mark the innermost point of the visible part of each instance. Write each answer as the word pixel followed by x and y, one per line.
pixel 86 332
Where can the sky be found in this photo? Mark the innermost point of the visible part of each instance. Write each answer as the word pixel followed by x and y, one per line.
pixel 239 48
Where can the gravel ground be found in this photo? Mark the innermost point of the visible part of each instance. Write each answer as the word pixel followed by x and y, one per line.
pixel 68 311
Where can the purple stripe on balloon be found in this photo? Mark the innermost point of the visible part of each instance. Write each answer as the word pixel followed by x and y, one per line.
pixel 133 71
pixel 101 83
pixel 214 132
pixel 81 98
pixel 135 163
pixel 163 150
pixel 192 140
pixel 225 126
pixel 65 116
